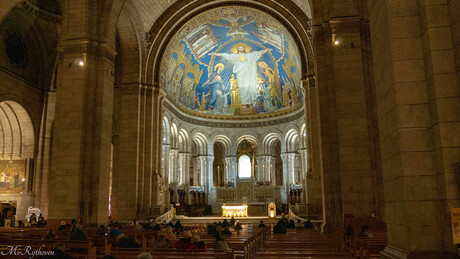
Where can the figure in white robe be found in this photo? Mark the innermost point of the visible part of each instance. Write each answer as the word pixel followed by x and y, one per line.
pixel 245 68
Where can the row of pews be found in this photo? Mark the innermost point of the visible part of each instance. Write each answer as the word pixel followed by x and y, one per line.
pixel 250 242
pixel 243 243
pixel 300 243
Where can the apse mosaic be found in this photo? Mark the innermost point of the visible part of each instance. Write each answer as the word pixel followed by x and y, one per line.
pixel 232 61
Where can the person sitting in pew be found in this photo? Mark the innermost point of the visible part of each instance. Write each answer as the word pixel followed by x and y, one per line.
pixel 78 234
pixel 279 228
pixel 290 224
pixel 219 244
pixel 161 242
pixel 284 220
pixel 58 252
pixel 308 224
pixel 21 224
pixel 49 236
pixel 212 229
pixel 126 242
pixel 226 231
pixel 197 245
pixel 232 221
pixel 41 220
pixel 261 224
pixel 100 231
pixel 238 226
pixel 225 223
pixel 178 226
pixel 185 242
pixel 365 232
pixel 170 235
pixel 62 226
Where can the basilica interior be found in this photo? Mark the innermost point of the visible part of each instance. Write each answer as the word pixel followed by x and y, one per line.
pixel 325 109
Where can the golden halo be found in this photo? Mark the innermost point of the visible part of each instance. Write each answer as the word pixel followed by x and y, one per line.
pixel 269 69
pixel 246 47
pixel 219 65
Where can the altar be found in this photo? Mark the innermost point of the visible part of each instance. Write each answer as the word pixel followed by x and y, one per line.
pixel 235 210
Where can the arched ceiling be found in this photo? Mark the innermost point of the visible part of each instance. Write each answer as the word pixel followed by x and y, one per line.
pixel 150 10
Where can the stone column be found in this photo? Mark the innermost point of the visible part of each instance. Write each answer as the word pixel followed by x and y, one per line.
pixel 82 133
pixel 271 169
pixel 286 178
pixel 173 165
pixel 418 101
pixel 230 165
pixel 260 169
pixel 303 170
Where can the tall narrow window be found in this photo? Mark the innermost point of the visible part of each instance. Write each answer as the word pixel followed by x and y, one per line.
pixel 244 167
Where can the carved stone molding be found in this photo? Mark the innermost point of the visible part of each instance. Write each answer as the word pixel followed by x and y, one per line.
pixel 226 124
pixel 130 89
pixel 47 16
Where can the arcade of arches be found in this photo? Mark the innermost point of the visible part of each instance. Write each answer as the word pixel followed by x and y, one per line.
pixel 325 107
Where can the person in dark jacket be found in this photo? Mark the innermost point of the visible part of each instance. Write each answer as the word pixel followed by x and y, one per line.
pixel 291 224
pixel 279 228
pixel 126 242
pixel 78 234
pixel 308 224
pixel 232 221
pixel 238 226
pixel 225 223
pixel 197 245
pixel 178 226
pixel 261 224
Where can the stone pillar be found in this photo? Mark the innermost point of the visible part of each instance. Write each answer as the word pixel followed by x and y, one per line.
pixel 303 170
pixel 230 164
pixel 286 178
pixel 271 170
pixel 260 169
pixel 82 133
pixel 418 103
pixel 173 165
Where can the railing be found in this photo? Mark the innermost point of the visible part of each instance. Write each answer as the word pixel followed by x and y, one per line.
pixel 166 217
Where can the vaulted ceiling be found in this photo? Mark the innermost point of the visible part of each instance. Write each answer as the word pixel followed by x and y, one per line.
pixel 150 10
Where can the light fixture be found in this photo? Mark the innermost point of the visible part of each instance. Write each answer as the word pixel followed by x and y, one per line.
pixel 23 179
pixel 336 42
pixel 80 62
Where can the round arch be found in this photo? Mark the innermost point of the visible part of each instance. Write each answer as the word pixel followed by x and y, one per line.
pixel 16 132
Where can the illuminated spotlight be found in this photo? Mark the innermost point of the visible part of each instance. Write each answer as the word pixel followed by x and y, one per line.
pixel 81 63
pixel 336 42
pixel 23 179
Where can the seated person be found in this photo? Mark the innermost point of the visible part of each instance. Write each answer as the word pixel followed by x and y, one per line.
pixel 78 234
pixel 161 242
pixel 20 224
pixel 100 231
pixel 232 221
pixel 185 242
pixel 62 227
pixel 49 236
pixel 279 228
pixel 226 231
pixel 212 229
pixel 284 220
pixel 261 224
pixel 291 224
pixel 220 245
pixel 170 235
pixel 365 232
pixel 126 242
pixel 197 245
pixel 178 226
pixel 238 226
pixel 225 223
pixel 114 232
pixel 308 224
